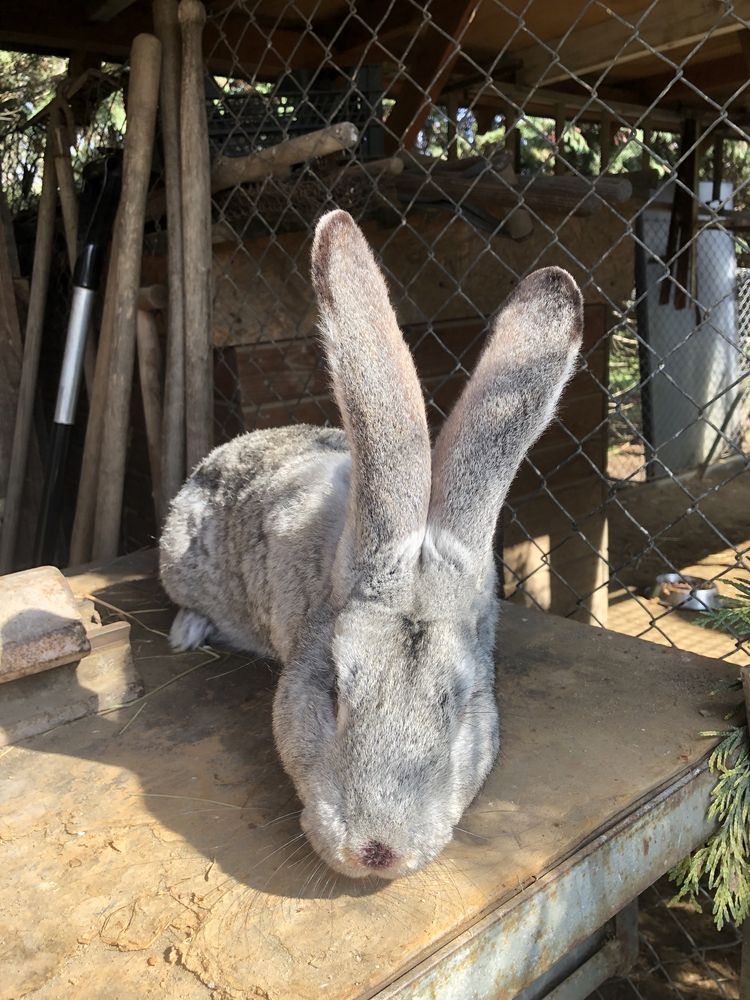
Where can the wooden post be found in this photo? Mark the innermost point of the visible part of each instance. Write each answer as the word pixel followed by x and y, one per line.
pixel 605 143
pixel 67 188
pixel 69 206
pixel 145 66
pixel 22 430
pixel 452 116
pixel 717 163
pixel 196 236
pixel 172 473
pixel 513 137
pixel 11 345
pixel 648 138
pixel 559 132
pixel 150 377
pixel 484 116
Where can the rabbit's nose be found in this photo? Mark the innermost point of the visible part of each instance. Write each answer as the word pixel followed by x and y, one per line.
pixel 377 855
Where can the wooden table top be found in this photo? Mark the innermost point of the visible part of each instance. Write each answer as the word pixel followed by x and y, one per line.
pixel 158 847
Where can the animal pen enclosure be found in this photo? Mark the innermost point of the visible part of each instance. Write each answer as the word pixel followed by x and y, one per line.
pixel 474 141
pixel 491 139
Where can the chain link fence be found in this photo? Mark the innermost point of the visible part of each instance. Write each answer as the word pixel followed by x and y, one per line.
pixel 644 204
pixel 475 165
pixel 472 169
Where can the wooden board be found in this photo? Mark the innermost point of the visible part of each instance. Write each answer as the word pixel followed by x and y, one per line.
pixel 162 851
pixel 262 290
pixel 42 626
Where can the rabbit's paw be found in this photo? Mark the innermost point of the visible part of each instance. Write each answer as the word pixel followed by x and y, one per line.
pixel 189 630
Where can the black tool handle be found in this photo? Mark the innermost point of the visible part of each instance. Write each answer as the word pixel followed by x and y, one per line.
pixel 52 496
pixel 86 280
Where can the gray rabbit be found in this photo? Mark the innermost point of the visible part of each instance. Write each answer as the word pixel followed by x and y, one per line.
pixel 364 562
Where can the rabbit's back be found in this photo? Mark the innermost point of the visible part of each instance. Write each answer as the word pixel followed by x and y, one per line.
pixel 250 538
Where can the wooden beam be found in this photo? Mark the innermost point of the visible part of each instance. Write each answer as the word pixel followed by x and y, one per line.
pixel 711 76
pixel 559 136
pixel 237 45
pixel 668 25
pixel 428 62
pixel 582 107
pixel 744 40
pixel 106 10
pixel 378 33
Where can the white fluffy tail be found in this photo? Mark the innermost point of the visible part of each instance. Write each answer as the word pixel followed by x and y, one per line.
pixel 189 630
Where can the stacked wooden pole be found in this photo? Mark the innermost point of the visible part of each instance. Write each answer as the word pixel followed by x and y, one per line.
pixel 172 470
pixel 11 353
pixel 165 68
pixel 30 365
pixel 196 235
pixel 179 418
pixel 145 66
pixel 69 208
pixel 151 300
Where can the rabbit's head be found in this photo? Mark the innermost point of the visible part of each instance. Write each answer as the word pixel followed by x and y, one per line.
pixel 386 718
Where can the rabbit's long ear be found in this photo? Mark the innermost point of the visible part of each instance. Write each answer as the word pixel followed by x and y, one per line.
pixel 507 404
pixel 377 391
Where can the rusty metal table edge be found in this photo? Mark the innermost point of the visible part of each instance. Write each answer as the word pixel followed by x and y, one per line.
pixel 517 943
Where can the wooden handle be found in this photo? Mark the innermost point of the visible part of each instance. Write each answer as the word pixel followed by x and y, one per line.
pixel 149 371
pixel 40 272
pixel 152 298
pixel 196 237
pixel 276 160
pixel 228 171
pixel 145 66
pixel 67 186
pixel 167 28
pixel 390 165
pixel 11 352
pixel 69 206
pixel 192 14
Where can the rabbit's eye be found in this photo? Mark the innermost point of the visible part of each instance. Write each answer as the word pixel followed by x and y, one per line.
pixel 334 695
pixel 443 704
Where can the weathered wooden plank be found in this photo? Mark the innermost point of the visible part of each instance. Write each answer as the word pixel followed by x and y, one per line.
pixel 665 26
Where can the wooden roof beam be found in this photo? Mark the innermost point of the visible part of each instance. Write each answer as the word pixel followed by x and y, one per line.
pixel 668 25
pixel 235 45
pixel 543 101
pixel 715 75
pixel 374 31
pixel 106 10
pixel 428 62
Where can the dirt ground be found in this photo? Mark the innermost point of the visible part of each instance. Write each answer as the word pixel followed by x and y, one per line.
pixel 682 956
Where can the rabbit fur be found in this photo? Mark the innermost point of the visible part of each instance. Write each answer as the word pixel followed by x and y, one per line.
pixel 364 562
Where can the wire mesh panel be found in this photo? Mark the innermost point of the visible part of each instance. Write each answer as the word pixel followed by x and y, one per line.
pixel 540 149
pixel 493 138
pixel 475 141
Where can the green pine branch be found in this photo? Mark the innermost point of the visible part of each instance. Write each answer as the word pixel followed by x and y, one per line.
pixel 734 614
pixel 723 863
